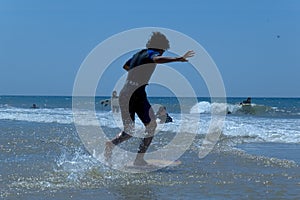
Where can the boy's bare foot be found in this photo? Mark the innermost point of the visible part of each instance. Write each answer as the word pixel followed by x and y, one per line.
pixel 140 162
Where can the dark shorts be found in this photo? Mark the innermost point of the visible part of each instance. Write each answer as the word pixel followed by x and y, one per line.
pixel 136 103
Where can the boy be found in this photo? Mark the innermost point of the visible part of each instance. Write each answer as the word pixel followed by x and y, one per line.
pixel 133 98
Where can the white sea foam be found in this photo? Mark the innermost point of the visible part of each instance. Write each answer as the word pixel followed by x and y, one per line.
pixel 264 129
pixel 58 115
pixel 206 107
pixel 286 130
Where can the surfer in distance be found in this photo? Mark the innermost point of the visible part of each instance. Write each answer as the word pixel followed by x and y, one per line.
pixel 246 102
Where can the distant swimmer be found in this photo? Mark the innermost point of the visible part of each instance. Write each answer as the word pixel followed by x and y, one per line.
pixel 246 102
pixel 163 116
pixel 34 106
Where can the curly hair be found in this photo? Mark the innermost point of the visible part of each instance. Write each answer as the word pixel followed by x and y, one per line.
pixel 158 41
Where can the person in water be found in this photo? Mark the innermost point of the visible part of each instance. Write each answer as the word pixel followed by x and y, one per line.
pixel 114 102
pixel 133 98
pixel 247 101
pixel 163 116
pixel 34 106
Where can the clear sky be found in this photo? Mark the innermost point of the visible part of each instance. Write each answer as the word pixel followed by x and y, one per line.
pixel 255 44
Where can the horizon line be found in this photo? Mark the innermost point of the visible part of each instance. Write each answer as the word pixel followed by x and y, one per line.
pixel 51 95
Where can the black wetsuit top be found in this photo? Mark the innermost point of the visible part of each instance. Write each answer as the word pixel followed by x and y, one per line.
pixel 141 68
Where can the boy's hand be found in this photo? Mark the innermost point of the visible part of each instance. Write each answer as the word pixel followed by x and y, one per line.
pixel 187 55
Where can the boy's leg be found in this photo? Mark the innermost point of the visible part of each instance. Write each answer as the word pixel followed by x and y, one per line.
pixel 149 120
pixel 142 150
pixel 121 137
pixel 127 114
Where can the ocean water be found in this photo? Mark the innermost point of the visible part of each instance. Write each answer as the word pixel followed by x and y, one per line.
pixel 256 157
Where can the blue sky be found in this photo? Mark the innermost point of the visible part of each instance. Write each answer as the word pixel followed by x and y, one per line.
pixel 255 44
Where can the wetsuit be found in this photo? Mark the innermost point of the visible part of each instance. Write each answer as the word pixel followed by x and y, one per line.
pixel 133 98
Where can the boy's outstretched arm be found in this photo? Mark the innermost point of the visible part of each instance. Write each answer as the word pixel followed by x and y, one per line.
pixel 163 59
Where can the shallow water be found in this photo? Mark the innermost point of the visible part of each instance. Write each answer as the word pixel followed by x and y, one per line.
pixel 42 157
pixel 49 161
